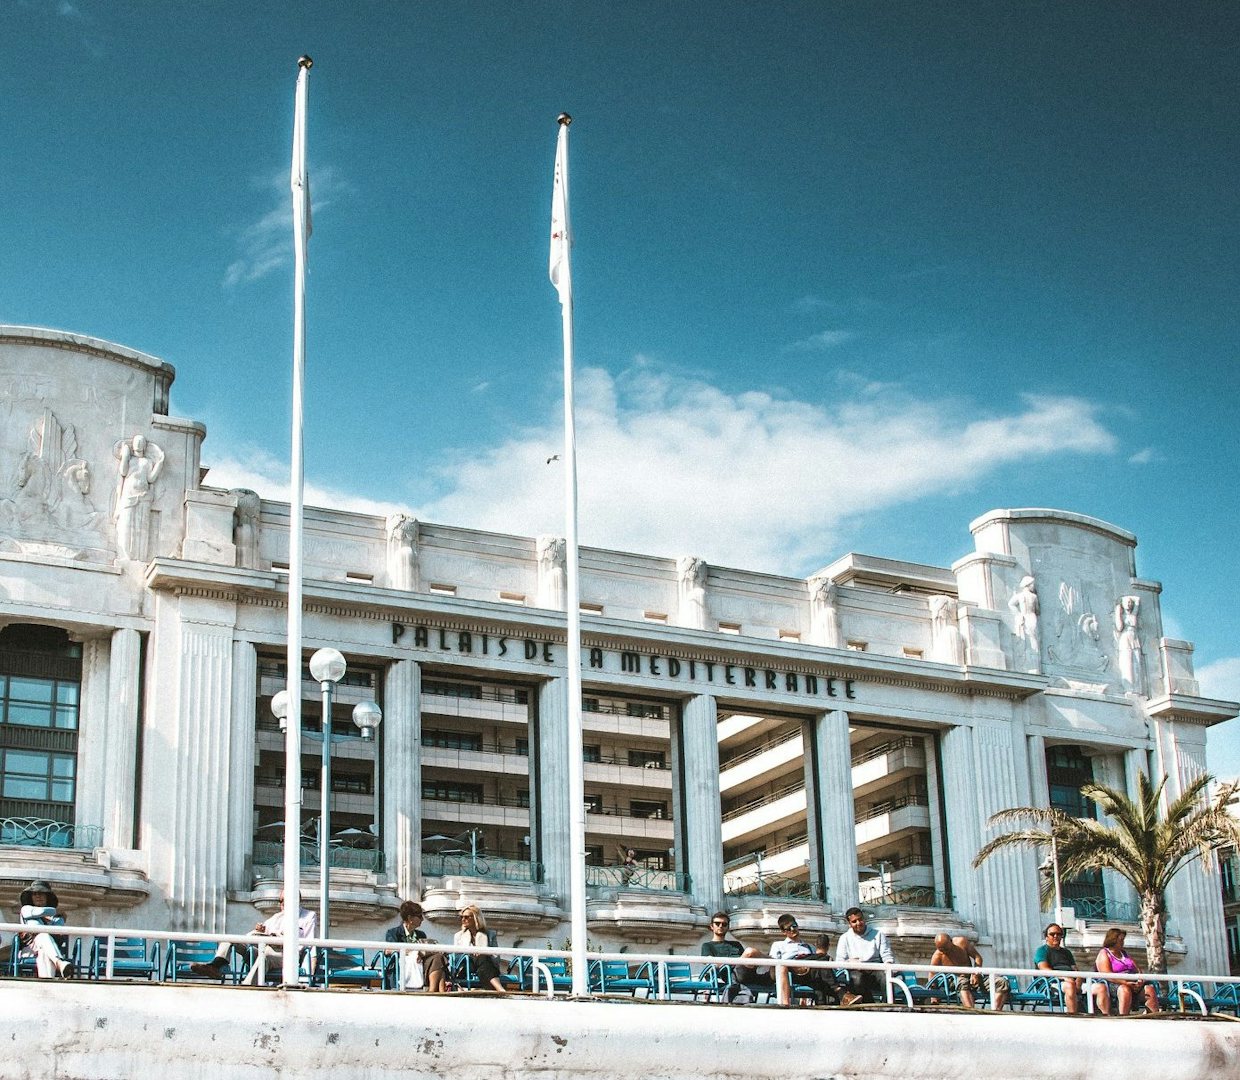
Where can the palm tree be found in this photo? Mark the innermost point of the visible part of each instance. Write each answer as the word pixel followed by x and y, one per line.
pixel 1139 843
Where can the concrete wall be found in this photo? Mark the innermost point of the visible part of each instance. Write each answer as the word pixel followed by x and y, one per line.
pixel 117 1032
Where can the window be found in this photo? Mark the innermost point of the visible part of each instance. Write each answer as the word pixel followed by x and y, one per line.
pixel 729 628
pixel 790 635
pixel 644 809
pixel 858 646
pixel 512 597
pixel 523 798
pixel 594 804
pixel 40 681
pixel 442 590
pixel 592 753
pixel 653 759
pixel 452 740
pixel 655 617
pixel 447 791
pixel 588 608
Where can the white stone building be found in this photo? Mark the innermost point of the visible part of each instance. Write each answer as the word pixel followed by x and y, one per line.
pixel 760 743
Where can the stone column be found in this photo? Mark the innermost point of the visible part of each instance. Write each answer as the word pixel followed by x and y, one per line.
pixel 837 827
pixel 92 790
pixel 983 772
pixel 242 743
pixel 550 796
pixel 933 781
pixel 1194 901
pixel 186 759
pixel 121 757
pixel 401 744
pixel 1039 787
pixel 702 829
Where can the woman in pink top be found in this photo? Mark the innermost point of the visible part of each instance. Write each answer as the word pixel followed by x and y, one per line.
pixel 1113 959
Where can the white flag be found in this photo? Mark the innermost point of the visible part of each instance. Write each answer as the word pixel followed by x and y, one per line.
pixel 300 179
pixel 561 236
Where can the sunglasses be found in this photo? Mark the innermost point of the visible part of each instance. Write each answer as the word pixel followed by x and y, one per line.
pixel 718 922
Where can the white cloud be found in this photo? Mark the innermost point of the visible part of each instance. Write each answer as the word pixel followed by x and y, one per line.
pixel 1144 456
pixel 671 465
pixel 1221 678
pixel 266 244
pixel 260 472
pixel 824 339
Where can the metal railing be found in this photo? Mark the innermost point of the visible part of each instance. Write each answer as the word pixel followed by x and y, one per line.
pixel 481 866
pixel 879 809
pixel 1102 909
pixel 46 833
pixel 782 886
pixel 915 896
pixel 636 877
pixel 765 800
pixel 899 982
pixel 271 853
pixel 779 738
pixel 905 742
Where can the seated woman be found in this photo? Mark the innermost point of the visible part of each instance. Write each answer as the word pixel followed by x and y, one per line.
pixel 473 931
pixel 1113 958
pixel 39 907
pixel 417 969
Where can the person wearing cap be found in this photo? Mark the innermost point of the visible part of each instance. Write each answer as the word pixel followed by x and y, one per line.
pixel 39 907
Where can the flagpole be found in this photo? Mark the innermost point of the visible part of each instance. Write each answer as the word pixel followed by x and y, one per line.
pixel 561 277
pixel 292 735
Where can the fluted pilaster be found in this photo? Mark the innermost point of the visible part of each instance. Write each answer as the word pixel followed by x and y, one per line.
pixel 552 788
pixel 121 754
pixel 699 758
pixel 401 744
pixel 92 741
pixel 837 825
pixel 241 768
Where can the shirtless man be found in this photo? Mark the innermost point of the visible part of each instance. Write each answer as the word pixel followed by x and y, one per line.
pixel 998 985
pixel 948 953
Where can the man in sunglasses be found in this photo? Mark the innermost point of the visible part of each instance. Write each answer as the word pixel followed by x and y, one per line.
pixel 746 982
pixel 1052 956
pixel 820 980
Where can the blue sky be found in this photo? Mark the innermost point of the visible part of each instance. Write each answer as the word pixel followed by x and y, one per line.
pixel 847 275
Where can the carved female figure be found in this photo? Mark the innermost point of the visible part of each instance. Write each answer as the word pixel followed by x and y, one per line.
pixel 402 551
pixel 140 463
pixel 692 572
pixel 1128 643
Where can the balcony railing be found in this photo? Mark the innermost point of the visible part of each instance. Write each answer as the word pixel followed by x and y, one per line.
pixel 764 800
pixel 906 742
pixel 636 877
pixel 769 743
pixel 340 856
pixel 780 886
pixel 1103 909
pixel 481 866
pixel 46 833
pixel 879 809
pixel 914 897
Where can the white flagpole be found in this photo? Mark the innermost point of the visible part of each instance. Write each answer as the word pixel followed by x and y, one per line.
pixel 292 738
pixel 561 277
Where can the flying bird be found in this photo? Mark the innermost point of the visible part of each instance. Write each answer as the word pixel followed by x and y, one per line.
pixel 553 457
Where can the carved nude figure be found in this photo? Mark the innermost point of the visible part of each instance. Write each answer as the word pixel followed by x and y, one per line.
pixel 402 551
pixel 824 617
pixel 1024 605
pixel 1128 643
pixel 692 574
pixel 245 527
pixel 552 572
pixel 140 463
pixel 946 643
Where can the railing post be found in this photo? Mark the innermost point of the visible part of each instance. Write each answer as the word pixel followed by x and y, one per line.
pixel 109 965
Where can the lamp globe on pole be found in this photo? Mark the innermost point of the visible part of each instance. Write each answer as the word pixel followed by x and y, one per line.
pixel 279 709
pixel 366 717
pixel 327 666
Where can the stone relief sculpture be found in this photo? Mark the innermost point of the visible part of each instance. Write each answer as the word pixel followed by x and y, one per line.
pixel 46 501
pixel 946 642
pixel 245 527
pixel 1076 640
pixel 139 464
pixel 1024 605
pixel 692 575
pixel 824 617
pixel 1128 644
pixel 402 552
pixel 552 572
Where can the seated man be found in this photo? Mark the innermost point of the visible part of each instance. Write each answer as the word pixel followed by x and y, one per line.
pixel 961 952
pixel 997 985
pixel 863 943
pixel 417 969
pixel 821 981
pixel 307 927
pixel 39 907
pixel 1052 956
pixel 746 981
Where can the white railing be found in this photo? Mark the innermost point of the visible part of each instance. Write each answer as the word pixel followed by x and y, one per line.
pixel 659 984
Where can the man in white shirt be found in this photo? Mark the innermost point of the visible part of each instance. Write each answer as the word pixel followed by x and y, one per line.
pixel 863 943
pixel 307 927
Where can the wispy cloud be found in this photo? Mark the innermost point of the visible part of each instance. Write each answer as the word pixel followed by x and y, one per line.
pixel 823 340
pixel 265 245
pixel 1145 456
pixel 672 465
pixel 67 10
pixel 1221 678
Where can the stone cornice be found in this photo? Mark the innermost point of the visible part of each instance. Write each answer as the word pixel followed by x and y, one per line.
pixel 1187 709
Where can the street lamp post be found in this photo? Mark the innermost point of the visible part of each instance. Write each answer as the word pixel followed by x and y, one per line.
pixel 327 666
pixel 366 717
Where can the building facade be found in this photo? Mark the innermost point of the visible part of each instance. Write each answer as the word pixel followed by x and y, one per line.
pixel 752 742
